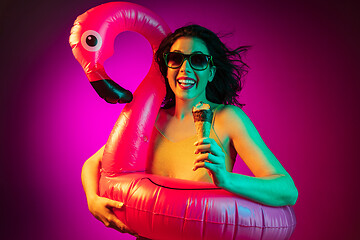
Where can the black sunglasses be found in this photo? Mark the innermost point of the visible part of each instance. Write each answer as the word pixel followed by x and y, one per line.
pixel 198 61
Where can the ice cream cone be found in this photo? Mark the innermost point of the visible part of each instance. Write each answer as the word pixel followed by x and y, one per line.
pixel 202 119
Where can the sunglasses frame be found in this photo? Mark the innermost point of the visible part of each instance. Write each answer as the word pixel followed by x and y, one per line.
pixel 188 56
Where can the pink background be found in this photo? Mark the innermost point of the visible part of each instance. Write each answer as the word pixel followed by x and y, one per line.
pixel 301 93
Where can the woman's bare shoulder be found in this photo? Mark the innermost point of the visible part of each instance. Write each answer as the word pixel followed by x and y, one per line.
pixel 231 113
pixel 232 119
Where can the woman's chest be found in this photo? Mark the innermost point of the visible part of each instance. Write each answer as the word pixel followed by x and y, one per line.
pixel 176 158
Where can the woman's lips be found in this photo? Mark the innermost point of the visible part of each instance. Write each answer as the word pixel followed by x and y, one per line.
pixel 185 83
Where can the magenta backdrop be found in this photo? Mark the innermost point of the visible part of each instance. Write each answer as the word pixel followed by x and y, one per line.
pixel 301 94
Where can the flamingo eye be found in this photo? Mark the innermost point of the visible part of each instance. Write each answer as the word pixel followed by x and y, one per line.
pixel 91 40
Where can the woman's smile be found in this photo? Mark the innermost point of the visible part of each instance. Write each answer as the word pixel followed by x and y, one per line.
pixel 185 83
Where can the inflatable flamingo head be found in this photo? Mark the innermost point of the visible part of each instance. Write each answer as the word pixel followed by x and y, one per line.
pixel 93 35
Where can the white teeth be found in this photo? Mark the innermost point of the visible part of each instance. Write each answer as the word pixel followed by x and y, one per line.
pixel 183 81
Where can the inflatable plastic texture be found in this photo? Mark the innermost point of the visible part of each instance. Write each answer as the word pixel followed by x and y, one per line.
pixel 158 207
pixel 93 35
pixel 162 208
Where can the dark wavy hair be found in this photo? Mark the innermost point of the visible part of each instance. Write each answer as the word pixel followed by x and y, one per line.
pixel 230 69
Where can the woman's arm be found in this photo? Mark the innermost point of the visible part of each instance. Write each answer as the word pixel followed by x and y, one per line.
pixel 100 208
pixel 274 190
pixel 90 175
pixel 272 185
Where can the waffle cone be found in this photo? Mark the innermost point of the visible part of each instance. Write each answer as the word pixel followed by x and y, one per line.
pixel 202 120
pixel 202 129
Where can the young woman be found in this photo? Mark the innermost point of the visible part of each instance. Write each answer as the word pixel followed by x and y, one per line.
pixel 197 66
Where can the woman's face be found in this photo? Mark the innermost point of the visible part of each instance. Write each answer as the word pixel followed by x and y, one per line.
pixel 185 82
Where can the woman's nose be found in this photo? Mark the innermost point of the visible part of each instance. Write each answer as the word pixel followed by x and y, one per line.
pixel 185 66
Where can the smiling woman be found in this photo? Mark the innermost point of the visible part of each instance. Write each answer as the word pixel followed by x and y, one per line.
pixel 197 67
pixel 226 65
pixel 184 80
pixel 215 79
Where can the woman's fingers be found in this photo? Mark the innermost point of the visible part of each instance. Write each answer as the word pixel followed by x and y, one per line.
pixel 116 224
pixel 212 155
pixel 208 157
pixel 114 204
pixel 111 221
pixel 203 148
pixel 203 141
pixel 212 158
pixel 208 145
pixel 102 209
pixel 204 164
pixel 206 160
pixel 214 149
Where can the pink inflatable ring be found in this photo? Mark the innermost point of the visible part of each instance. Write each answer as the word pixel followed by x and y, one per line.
pixel 159 207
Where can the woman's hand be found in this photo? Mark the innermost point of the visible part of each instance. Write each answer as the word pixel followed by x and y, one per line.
pixel 101 208
pixel 213 159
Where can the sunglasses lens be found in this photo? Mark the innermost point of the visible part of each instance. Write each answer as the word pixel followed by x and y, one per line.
pixel 174 60
pixel 199 61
